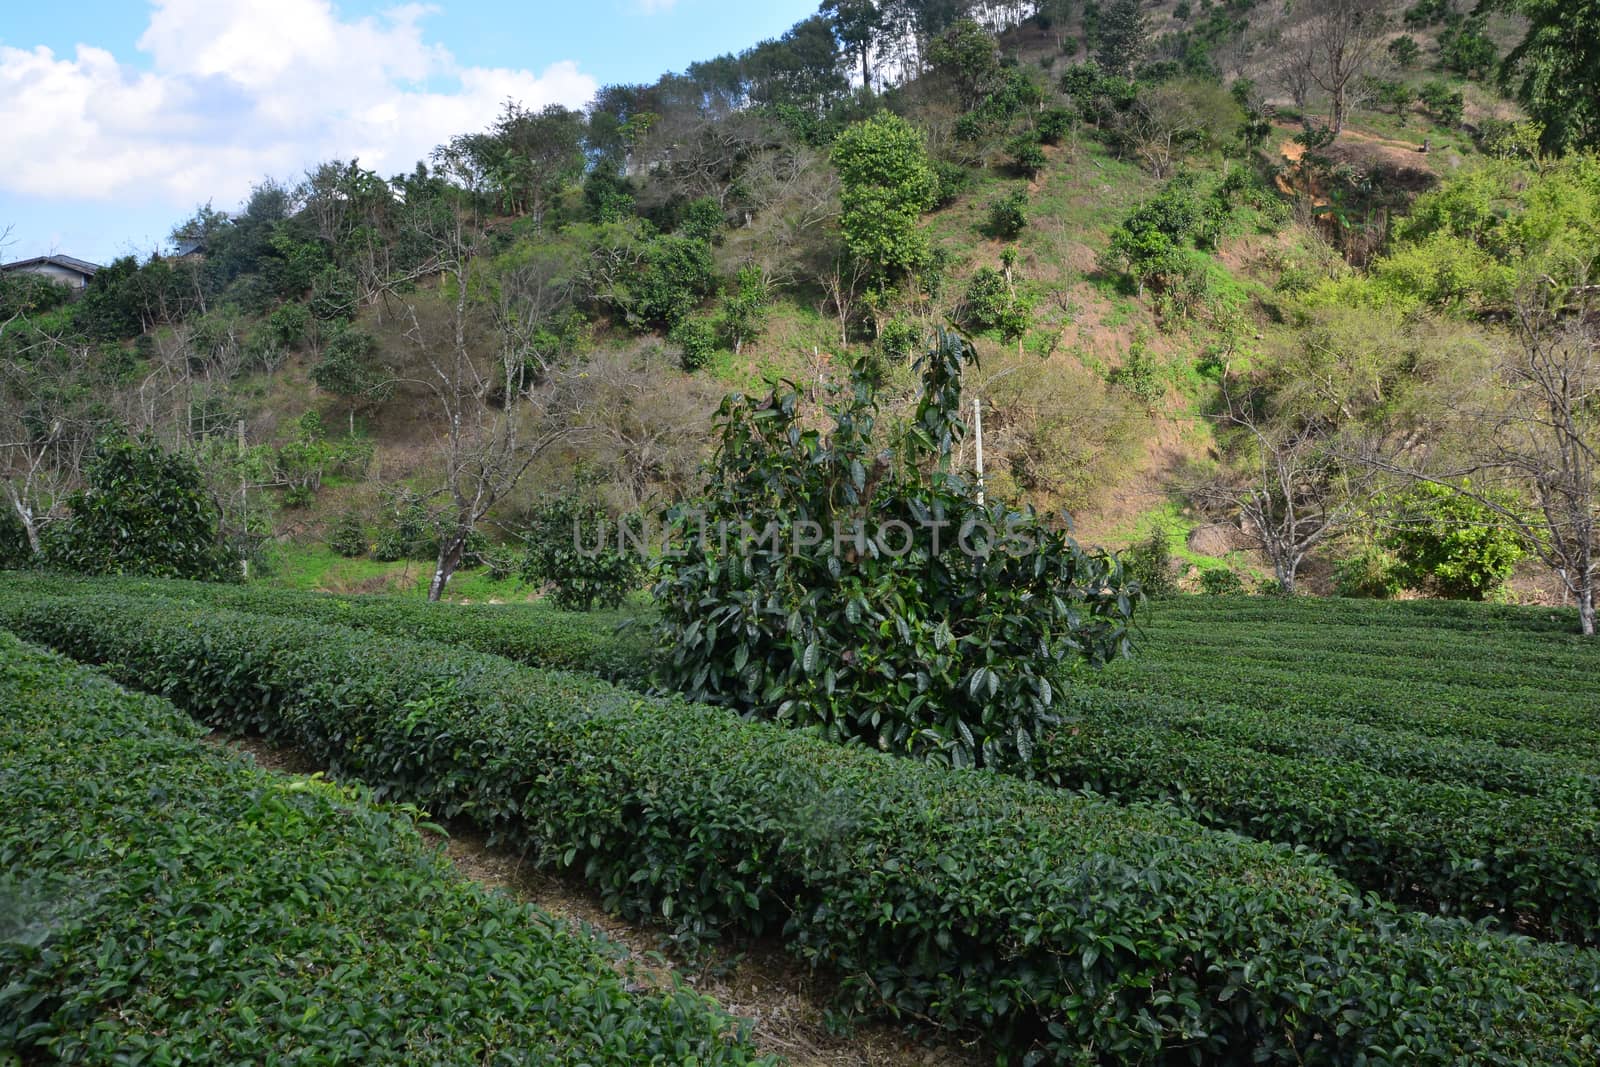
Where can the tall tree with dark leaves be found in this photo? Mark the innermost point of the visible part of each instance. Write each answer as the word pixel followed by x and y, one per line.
pixel 857 24
pixel 1124 37
pixel 1555 71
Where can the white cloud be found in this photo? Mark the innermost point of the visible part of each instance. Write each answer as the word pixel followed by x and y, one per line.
pixel 657 7
pixel 241 89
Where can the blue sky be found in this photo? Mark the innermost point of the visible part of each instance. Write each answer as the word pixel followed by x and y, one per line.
pixel 118 117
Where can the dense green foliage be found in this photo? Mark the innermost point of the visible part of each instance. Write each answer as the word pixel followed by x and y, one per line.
pixel 991 303
pixel 349 368
pixel 1051 922
pixel 166 903
pixel 1458 848
pixel 1483 236
pixel 1008 216
pixel 1450 544
pixel 1442 814
pixel 1149 562
pixel 850 579
pixel 1555 71
pixel 577 549
pixel 1498 677
pixel 144 511
pixel 886 183
pixel 596 643
pixel 1154 245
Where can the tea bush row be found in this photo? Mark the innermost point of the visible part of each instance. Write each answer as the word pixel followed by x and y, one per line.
pixel 1531 861
pixel 1063 927
pixel 165 903
pixel 599 643
pixel 1421 820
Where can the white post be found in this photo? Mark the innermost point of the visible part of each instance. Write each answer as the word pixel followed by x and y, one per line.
pixel 977 424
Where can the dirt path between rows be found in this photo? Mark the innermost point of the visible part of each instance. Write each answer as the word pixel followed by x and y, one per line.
pixel 785 1003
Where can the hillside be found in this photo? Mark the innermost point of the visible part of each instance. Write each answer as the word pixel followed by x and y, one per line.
pixel 1183 257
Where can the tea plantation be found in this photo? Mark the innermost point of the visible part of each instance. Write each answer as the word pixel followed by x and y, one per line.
pixel 1319 832
pixel 165 903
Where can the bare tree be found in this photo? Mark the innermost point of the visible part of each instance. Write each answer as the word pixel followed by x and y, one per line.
pixel 639 425
pixel 47 425
pixel 493 422
pixel 1295 489
pixel 1330 46
pixel 843 280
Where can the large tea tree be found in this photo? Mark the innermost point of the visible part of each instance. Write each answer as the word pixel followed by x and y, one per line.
pixel 851 579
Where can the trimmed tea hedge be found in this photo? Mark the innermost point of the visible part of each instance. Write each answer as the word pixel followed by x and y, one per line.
pixel 1065 927
pixel 1384 750
pixel 1495 676
pixel 1531 860
pixel 164 903
pixel 601 643
pixel 1464 827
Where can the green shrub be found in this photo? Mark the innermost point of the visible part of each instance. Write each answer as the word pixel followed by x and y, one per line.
pixel 900 340
pixel 349 367
pixel 1008 216
pixel 349 536
pixel 1052 923
pixel 696 338
pixel 1153 243
pixel 1142 375
pixel 409 530
pixel 702 220
pixel 1149 563
pixel 288 324
pixel 144 511
pixel 15 551
pixel 1027 155
pixel 1428 12
pixel 744 312
pixel 1054 124
pixel 873 595
pixel 580 552
pixel 1368 574
pixel 1465 49
pixel 991 303
pixel 177 905
pixel 1221 581
pixel 676 274
pixel 952 180
pixel 1405 51
pixel 1444 105
pixel 1451 545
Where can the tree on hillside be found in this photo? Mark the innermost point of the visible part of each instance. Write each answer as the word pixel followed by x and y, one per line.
pixel 1447 543
pixel 886 183
pixel 350 369
pixel 801 69
pixel 1555 71
pixel 1124 37
pixel 1541 443
pixel 968 57
pixel 1292 489
pixel 526 157
pixel 882 599
pixel 1330 46
pixel 857 24
pixel 144 511
pixel 492 419
pixel 47 424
